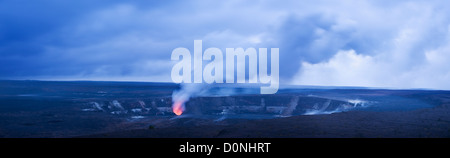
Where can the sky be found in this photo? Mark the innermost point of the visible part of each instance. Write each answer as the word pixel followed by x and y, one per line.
pixel 401 44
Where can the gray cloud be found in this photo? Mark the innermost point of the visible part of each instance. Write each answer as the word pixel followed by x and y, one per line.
pixel 350 42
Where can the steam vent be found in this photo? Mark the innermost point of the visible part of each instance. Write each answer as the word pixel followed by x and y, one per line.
pixel 276 105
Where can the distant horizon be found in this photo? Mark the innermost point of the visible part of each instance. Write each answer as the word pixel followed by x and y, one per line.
pixel 240 85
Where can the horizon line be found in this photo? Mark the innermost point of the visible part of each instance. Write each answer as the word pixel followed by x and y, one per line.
pixel 282 86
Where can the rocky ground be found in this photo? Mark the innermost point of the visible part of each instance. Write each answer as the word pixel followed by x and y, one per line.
pixel 116 109
pixel 423 123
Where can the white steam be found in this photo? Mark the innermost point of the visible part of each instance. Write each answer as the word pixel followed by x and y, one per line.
pixel 186 92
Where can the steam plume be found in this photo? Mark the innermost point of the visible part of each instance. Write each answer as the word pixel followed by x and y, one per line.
pixel 183 95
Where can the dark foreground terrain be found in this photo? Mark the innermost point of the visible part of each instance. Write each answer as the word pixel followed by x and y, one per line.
pixel 130 109
pixel 424 123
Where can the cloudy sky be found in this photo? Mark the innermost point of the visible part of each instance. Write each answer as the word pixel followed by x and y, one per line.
pixel 401 44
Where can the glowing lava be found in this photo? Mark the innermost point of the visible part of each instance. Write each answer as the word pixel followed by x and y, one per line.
pixel 178 108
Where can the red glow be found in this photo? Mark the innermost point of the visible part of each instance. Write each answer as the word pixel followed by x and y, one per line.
pixel 177 108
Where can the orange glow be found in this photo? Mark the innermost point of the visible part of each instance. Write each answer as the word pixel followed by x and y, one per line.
pixel 177 108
